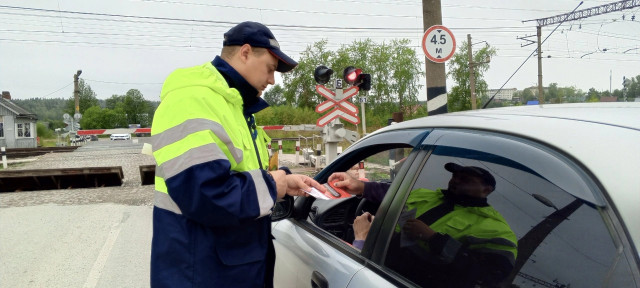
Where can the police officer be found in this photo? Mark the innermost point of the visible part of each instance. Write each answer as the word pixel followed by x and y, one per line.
pixel 211 224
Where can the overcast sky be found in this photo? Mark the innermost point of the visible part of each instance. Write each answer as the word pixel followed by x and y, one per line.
pixel 44 43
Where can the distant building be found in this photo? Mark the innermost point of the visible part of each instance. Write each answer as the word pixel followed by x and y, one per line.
pixel 17 125
pixel 609 99
pixel 503 94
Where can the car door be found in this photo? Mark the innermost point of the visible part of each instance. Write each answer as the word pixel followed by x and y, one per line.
pixel 313 247
pixel 567 233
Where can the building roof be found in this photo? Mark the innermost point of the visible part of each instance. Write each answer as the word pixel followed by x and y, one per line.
pixel 19 111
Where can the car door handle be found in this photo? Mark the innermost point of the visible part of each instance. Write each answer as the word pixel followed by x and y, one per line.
pixel 318 281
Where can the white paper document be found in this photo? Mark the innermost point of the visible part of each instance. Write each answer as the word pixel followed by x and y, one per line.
pixel 316 193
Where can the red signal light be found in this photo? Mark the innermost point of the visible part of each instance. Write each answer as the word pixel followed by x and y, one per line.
pixel 351 74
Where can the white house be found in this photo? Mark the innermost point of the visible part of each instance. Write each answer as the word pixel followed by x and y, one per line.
pixel 17 125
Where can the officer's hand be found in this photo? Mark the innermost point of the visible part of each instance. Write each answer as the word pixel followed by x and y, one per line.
pixel 297 184
pixel 347 183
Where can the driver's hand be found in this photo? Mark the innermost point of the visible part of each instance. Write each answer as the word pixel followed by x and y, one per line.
pixel 362 225
pixel 418 230
pixel 347 183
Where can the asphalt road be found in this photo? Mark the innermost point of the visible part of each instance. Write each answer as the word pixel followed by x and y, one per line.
pixel 97 237
pixel 94 245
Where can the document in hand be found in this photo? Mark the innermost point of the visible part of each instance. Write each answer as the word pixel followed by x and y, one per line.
pixel 333 192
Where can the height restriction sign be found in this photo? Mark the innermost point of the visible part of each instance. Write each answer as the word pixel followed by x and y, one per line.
pixel 438 44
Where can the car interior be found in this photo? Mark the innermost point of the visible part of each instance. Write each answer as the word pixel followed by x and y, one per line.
pixel 336 216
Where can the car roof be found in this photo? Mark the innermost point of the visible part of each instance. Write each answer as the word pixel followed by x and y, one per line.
pixel 602 137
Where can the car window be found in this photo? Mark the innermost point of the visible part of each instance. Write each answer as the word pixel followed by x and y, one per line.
pixel 336 216
pixel 532 230
pixel 382 166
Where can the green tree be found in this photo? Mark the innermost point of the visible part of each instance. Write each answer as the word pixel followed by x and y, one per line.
pixel 618 93
pixel 633 90
pixel 459 98
pixel 43 131
pixel 275 96
pixel 47 109
pixel 113 101
pixel 136 108
pixel 114 118
pixel 299 84
pixel 93 119
pixel 593 95
pixel 527 95
pixel 553 94
pixel 394 67
pixel 572 95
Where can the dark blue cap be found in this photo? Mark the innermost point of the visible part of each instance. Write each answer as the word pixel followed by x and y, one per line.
pixel 486 177
pixel 258 35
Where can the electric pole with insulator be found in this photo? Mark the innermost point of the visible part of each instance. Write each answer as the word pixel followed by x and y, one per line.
pixel 76 90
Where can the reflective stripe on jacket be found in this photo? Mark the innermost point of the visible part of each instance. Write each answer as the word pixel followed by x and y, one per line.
pixel 212 201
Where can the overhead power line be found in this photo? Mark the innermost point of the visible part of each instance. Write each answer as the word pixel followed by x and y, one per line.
pixel 170 20
pixel 589 12
pixel 124 83
pixel 282 10
pixel 65 86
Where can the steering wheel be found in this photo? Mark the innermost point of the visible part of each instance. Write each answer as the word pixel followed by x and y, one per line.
pixel 366 206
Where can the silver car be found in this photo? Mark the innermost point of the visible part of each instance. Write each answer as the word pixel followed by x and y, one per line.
pixel 567 182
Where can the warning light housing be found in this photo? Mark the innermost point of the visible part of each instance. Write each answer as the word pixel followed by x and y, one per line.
pixel 322 74
pixel 352 75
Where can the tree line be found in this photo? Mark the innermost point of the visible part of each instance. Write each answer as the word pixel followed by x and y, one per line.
pixel 118 111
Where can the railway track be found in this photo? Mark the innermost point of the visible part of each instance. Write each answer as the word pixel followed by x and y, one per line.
pixel 13 153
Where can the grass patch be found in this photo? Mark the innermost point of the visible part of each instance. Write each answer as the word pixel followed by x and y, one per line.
pixel 48 142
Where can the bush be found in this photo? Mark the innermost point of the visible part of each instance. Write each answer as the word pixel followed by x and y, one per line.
pixel 43 131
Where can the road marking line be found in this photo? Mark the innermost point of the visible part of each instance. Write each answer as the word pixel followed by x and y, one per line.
pixel 98 266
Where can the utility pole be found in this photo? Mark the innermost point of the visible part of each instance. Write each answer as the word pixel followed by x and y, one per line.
pixel 540 90
pixel 76 90
pixel 435 72
pixel 610 79
pixel 472 76
pixel 472 71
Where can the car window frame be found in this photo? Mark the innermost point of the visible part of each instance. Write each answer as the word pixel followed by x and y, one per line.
pixel 377 249
pixel 359 150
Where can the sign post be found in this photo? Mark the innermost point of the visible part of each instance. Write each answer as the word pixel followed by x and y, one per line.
pixel 363 99
pixel 333 130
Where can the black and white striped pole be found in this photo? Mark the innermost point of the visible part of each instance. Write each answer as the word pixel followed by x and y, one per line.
pixel 3 151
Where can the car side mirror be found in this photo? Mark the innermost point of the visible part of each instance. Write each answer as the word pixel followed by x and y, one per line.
pixel 283 208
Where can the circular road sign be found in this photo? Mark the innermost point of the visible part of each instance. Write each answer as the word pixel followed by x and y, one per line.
pixel 438 43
